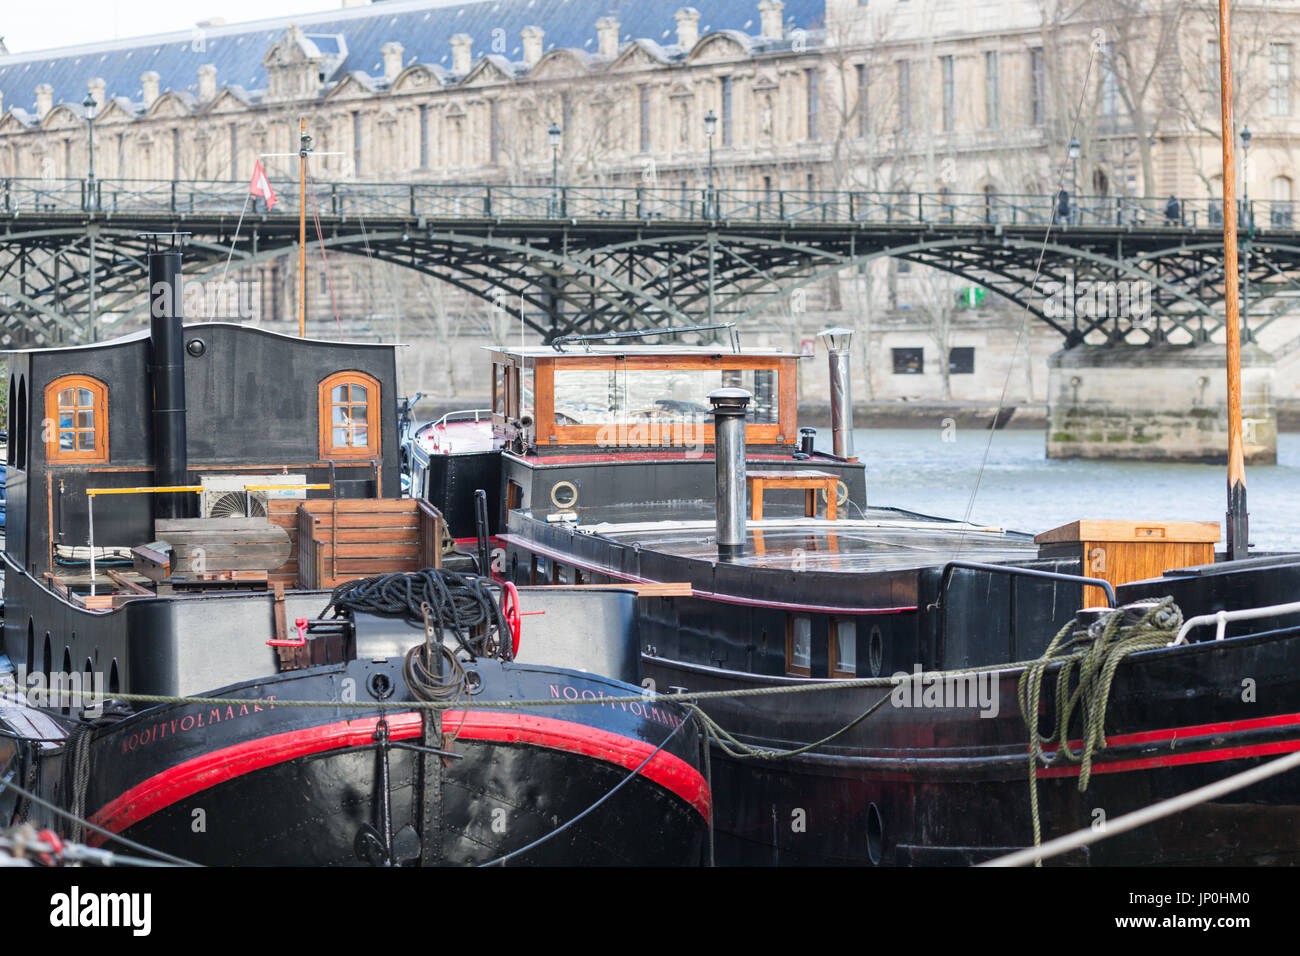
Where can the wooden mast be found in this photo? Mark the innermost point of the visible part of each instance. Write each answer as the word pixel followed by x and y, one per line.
pixel 1238 518
pixel 303 146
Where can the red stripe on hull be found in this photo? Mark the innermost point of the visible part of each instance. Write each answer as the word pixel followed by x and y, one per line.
pixel 198 774
pixel 1183 733
pixel 1176 760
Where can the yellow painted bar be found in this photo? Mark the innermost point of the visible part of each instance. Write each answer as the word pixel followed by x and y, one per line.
pixel 323 487
pixel 143 491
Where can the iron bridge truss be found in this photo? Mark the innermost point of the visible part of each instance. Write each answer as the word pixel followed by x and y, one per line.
pixel 582 261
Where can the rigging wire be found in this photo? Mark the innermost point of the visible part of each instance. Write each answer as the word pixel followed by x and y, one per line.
pixel 501 860
pixel 1024 318
pixel 138 847
pixel 233 241
pixel 320 244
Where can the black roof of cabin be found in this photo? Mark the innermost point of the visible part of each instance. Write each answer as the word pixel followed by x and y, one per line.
pixel 252 403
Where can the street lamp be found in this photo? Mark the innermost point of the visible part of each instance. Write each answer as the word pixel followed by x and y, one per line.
pixel 90 105
pixel 1073 151
pixel 1245 167
pixel 91 203
pixel 710 127
pixel 554 134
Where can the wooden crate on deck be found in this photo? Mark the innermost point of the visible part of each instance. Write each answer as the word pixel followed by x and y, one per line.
pixel 1124 551
pixel 343 539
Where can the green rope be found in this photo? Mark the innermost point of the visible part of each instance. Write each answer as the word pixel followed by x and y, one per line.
pixel 1097 651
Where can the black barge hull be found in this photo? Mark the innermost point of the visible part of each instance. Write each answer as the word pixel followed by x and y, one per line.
pixel 238 784
pixel 920 786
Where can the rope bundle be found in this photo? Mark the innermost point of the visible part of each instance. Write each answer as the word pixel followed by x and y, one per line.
pixel 1097 651
pixel 462 604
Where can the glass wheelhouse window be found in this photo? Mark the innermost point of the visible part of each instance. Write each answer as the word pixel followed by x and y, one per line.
pixel 76 420
pixel 349 416
pixel 637 396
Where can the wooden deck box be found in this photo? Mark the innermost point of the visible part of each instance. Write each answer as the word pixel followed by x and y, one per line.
pixel 1123 551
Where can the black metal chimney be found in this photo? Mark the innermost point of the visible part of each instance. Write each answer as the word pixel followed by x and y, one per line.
pixel 167 376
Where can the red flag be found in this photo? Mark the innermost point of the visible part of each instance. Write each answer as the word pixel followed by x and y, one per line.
pixel 261 186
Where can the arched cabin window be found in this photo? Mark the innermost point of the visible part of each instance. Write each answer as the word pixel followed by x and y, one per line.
pixel 349 416
pixel 76 411
pixel 18 434
pixel 11 432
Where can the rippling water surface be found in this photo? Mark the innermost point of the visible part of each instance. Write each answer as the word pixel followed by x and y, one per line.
pixel 1023 490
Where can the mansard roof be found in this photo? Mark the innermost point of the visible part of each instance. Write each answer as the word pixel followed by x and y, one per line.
pixel 358 34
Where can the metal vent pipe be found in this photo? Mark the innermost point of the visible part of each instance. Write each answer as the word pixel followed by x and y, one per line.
pixel 837 347
pixel 167 377
pixel 729 408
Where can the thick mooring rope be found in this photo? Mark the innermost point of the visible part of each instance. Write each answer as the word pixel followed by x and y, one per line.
pixel 1098 651
pixel 460 603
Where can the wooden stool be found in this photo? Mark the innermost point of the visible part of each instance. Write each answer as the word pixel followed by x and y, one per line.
pixel 811 481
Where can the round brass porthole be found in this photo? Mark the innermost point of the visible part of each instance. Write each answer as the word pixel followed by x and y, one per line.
pixel 564 495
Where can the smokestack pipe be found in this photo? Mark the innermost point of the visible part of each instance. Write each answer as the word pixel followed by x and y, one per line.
pixel 837 348
pixel 729 405
pixel 167 375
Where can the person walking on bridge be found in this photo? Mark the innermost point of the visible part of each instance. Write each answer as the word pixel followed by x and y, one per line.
pixel 1173 212
pixel 1063 211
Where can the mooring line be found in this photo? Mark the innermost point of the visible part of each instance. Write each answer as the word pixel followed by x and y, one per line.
pixel 643 698
pixel 1148 814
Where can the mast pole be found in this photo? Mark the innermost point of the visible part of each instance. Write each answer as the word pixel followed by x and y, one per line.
pixel 1238 517
pixel 302 227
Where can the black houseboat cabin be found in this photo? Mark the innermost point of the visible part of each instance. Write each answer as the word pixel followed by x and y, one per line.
pixel 896 642
pixel 263 408
pixel 200 512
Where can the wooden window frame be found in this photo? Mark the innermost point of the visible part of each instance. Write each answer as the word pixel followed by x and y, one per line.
pixel 790 666
pixel 374 421
pixel 832 659
pixel 55 455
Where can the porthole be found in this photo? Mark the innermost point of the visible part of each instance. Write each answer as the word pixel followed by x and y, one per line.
pixel 564 495
pixel 876 651
pixel 841 494
pixel 875 835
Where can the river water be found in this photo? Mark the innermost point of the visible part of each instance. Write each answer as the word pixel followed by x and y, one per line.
pixel 1022 490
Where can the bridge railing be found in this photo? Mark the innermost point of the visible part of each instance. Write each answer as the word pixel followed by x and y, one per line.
pixel 42 195
pixel 444 201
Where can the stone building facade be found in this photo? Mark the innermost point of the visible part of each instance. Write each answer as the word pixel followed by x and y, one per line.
pixel 977 99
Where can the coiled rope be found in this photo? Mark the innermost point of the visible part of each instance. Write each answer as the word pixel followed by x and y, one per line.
pixel 463 605
pixel 1098 651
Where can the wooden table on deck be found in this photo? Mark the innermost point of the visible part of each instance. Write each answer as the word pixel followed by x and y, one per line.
pixel 756 482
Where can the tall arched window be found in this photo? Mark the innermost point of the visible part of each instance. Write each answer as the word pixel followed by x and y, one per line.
pixel 76 425
pixel 1280 210
pixel 349 416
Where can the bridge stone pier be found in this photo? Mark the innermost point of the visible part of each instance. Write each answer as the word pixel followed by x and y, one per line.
pixel 1157 403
